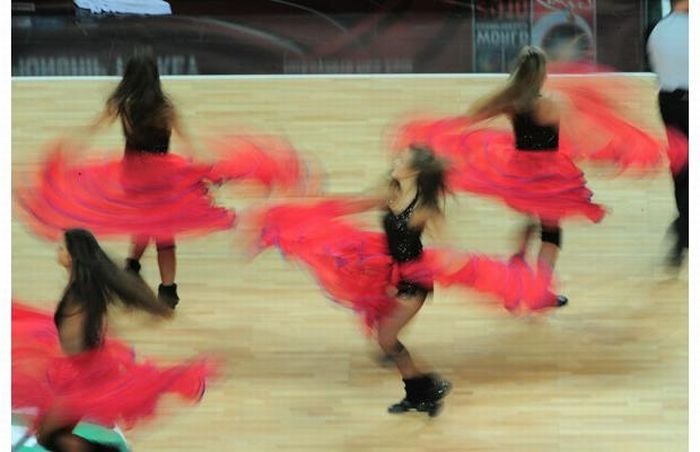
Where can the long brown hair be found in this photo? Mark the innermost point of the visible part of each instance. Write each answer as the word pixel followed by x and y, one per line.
pixel 139 98
pixel 96 281
pixel 430 180
pixel 522 89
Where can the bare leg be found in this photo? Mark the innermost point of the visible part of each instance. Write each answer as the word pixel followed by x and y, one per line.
pixel 548 254
pixel 138 247
pixel 167 291
pixel 389 329
pixel 549 250
pixel 166 261
pixel 525 236
pixel 423 391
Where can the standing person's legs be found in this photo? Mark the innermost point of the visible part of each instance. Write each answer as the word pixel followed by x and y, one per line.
pixel 680 183
pixel 674 112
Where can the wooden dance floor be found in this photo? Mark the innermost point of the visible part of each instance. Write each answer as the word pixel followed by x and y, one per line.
pixel 606 373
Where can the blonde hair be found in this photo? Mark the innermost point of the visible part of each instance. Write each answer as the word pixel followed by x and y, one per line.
pixel 523 87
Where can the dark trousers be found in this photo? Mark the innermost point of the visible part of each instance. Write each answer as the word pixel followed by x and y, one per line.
pixel 674 111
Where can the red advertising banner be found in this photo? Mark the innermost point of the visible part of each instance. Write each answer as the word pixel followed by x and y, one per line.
pixel 565 29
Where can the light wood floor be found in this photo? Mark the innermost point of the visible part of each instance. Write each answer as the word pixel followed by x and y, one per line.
pixel 608 373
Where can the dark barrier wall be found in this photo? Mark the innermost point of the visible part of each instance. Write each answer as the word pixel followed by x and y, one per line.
pixel 339 36
pixel 621 29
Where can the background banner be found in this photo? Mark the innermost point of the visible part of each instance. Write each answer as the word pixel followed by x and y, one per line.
pixel 220 37
pixel 501 28
pixel 565 28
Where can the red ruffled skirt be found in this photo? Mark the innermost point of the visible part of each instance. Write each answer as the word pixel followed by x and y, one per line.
pixel 548 184
pixel 485 161
pixel 150 195
pixel 594 124
pixel 354 268
pixel 105 386
pixel 543 184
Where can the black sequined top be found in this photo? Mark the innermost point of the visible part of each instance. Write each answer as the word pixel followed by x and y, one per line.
pixel 403 239
pixel 530 136
pixel 147 138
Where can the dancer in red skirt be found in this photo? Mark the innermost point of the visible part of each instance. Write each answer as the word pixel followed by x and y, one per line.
pixel 386 277
pixel 66 369
pixel 527 172
pixel 530 168
pixel 150 194
pixel 147 117
pixel 413 204
pixel 533 178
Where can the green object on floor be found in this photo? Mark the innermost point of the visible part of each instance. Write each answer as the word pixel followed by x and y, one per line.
pixel 92 432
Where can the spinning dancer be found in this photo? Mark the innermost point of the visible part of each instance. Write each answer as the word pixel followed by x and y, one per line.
pixel 533 177
pixel 525 171
pixel 387 277
pixel 150 194
pixel 531 168
pixel 66 369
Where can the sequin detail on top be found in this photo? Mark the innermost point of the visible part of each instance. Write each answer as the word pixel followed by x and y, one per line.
pixel 530 136
pixel 403 239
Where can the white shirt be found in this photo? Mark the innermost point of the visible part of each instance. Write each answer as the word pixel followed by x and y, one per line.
pixel 668 51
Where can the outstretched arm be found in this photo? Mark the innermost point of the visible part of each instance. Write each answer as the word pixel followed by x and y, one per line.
pixel 103 120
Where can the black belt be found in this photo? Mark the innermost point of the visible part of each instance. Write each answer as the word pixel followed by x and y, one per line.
pixel 680 94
